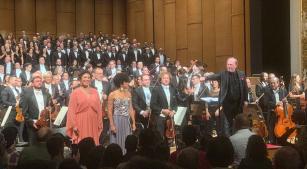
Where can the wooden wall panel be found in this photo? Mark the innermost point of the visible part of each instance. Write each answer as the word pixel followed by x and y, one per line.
pixel 119 17
pixel 148 20
pixel 84 16
pixel 130 18
pixel 139 17
pixel 25 16
pixel 237 7
pixel 223 28
pixel 238 39
pixel 66 17
pixel 159 23
pixel 7 16
pixel 104 16
pixel 181 31
pixel 209 34
pixel 195 30
pixel 46 16
pixel 170 29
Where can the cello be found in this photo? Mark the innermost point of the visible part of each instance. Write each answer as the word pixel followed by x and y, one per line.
pixel 284 126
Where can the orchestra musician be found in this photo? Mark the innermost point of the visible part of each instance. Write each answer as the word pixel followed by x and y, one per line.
pixel 33 101
pixel 296 90
pixel 262 84
pixel 163 102
pixel 251 96
pixel 273 96
pixel 141 101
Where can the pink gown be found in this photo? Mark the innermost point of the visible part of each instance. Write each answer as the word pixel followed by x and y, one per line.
pixel 84 113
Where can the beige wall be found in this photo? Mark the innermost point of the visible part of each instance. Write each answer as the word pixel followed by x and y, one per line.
pixel 207 30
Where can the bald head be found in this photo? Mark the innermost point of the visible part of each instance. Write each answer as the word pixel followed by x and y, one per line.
pixel 231 64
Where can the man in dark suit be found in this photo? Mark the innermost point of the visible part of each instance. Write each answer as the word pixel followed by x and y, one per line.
pixel 163 102
pixel 263 83
pixel 273 96
pixel 49 59
pixel 8 65
pixel 148 57
pixel 76 54
pixel 123 57
pixel 32 102
pixel 97 57
pixel 2 74
pixel 59 55
pixel 162 56
pixel 108 56
pixel 52 89
pixel 10 97
pixel 141 101
pixel 26 74
pixel 17 70
pixel 101 84
pixel 233 94
pixel 42 67
pixel 134 54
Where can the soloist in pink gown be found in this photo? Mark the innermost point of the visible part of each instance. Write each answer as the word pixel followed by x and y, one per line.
pixel 85 114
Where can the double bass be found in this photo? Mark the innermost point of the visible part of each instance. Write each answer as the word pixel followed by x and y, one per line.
pixel 285 127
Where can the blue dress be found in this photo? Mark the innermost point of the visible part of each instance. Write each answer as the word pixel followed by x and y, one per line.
pixel 121 120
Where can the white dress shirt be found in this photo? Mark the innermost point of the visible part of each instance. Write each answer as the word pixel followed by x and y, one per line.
pixel 28 75
pixel 39 99
pixel 42 68
pixel 99 87
pixel 49 87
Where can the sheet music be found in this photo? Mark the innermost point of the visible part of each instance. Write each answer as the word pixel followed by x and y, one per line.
pixel 60 116
pixel 6 116
pixel 179 115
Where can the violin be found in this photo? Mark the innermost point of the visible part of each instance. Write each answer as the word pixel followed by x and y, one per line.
pixel 44 119
pixel 169 128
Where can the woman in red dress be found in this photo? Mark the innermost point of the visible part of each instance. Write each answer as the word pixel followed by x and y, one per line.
pixel 84 117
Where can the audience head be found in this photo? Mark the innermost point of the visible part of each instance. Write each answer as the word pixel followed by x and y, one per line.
pixel 287 158
pixel 10 135
pixel 242 121
pixel 69 164
pixel 256 148
pixel 220 152
pixel 55 146
pixel 145 80
pixel 113 156
pixel 95 157
pixel 189 135
pixel 165 78
pixel 85 146
pixel 131 143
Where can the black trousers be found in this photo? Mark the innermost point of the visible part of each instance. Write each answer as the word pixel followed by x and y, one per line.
pixel 230 109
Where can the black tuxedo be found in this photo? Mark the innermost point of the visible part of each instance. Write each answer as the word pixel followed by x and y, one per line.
pixel 8 99
pixel 14 73
pixel 159 102
pixel 223 77
pixel 132 56
pixel 148 58
pixel 49 58
pixel 106 87
pixel 269 101
pixel 139 104
pixel 78 57
pixel 55 94
pixel 37 67
pixel 10 70
pixel 33 60
pixel 233 94
pixel 124 59
pixel 23 77
pixel 95 60
pixel 107 57
pixel 260 88
pixel 162 58
pixel 30 109
pixel 56 55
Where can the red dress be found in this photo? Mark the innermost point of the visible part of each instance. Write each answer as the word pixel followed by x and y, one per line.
pixel 84 113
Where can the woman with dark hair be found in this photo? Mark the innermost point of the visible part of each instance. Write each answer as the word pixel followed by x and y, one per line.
pixel 256 155
pixel 120 111
pixel 84 117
